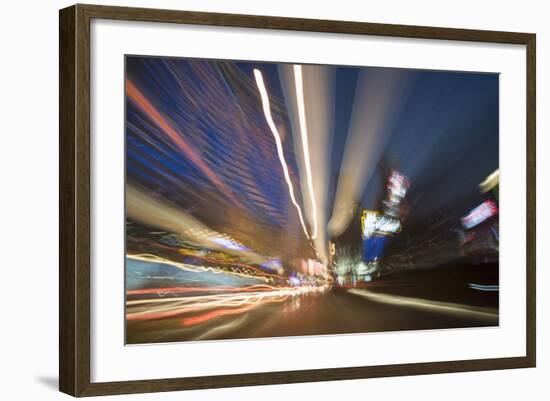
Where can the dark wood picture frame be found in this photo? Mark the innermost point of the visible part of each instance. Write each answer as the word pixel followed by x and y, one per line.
pixel 74 199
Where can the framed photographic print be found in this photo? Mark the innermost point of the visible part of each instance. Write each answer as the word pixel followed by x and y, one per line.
pixel 251 200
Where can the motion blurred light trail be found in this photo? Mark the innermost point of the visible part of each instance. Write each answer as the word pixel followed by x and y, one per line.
pixel 177 290
pixel 275 132
pixel 191 321
pixel 305 143
pixel 481 287
pixel 157 213
pixel 379 99
pixel 309 97
pixel 147 107
pixel 212 306
pixel 201 268
pixel 222 329
pixel 434 306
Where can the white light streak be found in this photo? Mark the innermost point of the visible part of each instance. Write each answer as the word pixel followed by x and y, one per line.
pixel 435 306
pixel 305 143
pixel 278 142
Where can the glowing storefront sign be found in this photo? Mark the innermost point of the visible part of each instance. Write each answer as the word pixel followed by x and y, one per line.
pixel 373 222
pixel 479 214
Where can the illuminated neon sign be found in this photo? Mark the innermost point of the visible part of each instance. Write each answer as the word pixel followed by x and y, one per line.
pixel 480 214
pixel 372 222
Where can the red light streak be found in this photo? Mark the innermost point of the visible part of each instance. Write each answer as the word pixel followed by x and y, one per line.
pixel 191 321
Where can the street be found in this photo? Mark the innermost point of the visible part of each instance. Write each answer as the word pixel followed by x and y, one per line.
pixel 331 312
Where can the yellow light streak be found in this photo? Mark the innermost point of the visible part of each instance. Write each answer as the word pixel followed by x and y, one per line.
pixel 197 269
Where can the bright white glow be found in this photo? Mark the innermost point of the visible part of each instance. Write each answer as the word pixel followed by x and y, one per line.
pixel 373 221
pixel 269 118
pixel 388 225
pixel 305 143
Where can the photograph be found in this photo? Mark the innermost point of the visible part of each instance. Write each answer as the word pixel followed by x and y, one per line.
pixel 276 199
pixel 263 201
